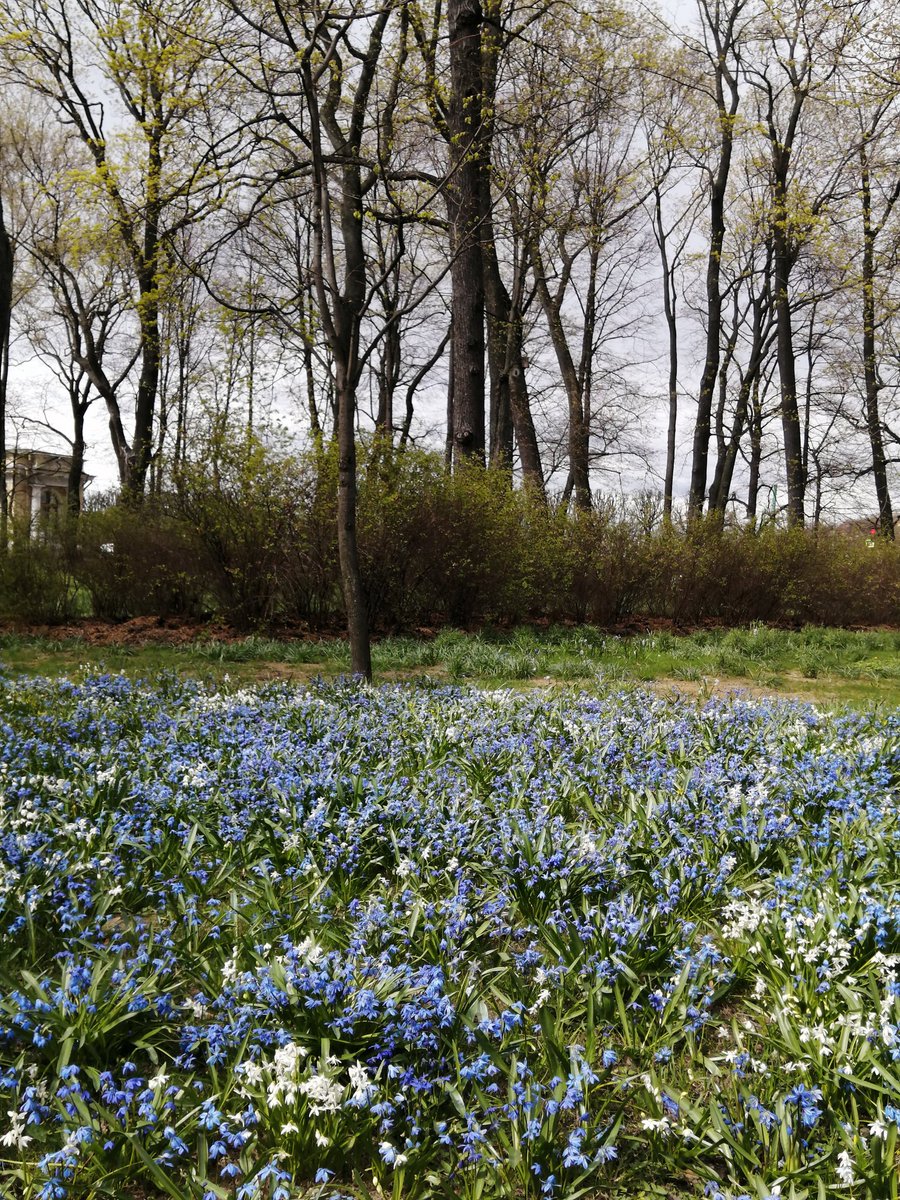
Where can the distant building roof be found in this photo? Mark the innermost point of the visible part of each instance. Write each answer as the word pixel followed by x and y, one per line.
pixel 24 461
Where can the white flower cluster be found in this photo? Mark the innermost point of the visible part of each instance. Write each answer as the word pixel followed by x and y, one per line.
pixel 281 1076
pixel 742 917
pixel 15 1135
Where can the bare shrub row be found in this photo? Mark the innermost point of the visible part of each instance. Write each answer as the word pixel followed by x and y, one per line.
pixel 253 542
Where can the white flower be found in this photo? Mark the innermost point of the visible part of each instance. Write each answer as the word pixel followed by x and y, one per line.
pixel 323 1093
pixel 543 996
pixel 359 1079
pixel 251 1071
pixel 663 1125
pixel 322 1140
pixel 361 1084
pixel 845 1168
pixel 878 1129
pixel 290 1127
pixel 391 1156
pixel 159 1080
pixel 15 1135
pixel 309 950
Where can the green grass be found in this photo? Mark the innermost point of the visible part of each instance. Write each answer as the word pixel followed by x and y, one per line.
pixel 829 665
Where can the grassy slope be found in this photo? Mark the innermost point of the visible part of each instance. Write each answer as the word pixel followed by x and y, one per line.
pixel 828 665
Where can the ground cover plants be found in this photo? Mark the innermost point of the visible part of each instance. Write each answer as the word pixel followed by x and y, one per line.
pixel 819 664
pixel 335 940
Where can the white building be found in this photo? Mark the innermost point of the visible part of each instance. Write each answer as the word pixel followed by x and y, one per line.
pixel 37 485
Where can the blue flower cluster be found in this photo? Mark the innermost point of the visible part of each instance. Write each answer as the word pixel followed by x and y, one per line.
pixel 431 941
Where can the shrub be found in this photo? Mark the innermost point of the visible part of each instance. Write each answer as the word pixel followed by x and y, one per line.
pixel 141 563
pixel 244 504
pixel 438 545
pixel 35 582
pixel 251 536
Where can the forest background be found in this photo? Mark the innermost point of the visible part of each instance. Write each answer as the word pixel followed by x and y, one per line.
pixel 325 262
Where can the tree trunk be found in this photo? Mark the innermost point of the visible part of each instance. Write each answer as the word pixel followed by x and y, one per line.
pixel 6 281
pixel 720 489
pixel 138 458
pixel 719 186
pixel 500 413
pixel 579 470
pixel 388 376
pixel 870 362
pixel 672 327
pixel 73 484
pixel 755 455
pixel 345 349
pixel 784 255
pixel 342 306
pixel 348 550
pixel 463 193
pixel 506 340
pixel 787 370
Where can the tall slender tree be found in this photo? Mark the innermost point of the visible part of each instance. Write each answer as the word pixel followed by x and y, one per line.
pixel 137 85
pixel 720 50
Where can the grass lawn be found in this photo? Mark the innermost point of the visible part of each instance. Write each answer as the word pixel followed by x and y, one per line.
pixel 824 665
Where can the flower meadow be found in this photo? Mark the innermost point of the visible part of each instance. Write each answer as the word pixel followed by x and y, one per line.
pixel 345 941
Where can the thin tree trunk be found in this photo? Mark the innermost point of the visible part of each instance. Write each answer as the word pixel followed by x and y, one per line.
pixel 578 434
pixel 346 356
pixel 76 469
pixel 148 273
pixel 348 550
pixel 513 405
pixel 388 375
pixel 672 327
pixel 464 190
pixel 784 256
pixel 6 301
pixel 342 305
pixel 755 455
pixel 727 111
pixel 721 442
pixel 787 375
pixel 870 362
pixel 451 409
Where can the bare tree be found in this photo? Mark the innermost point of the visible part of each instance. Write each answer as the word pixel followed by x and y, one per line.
pixel 797 53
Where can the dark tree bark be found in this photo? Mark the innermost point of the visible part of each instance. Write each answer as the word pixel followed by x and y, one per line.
pixel 79 395
pixel 723 36
pixel 579 444
pixel 873 384
pixel 669 302
pixel 760 344
pixel 388 374
pixel 510 403
pixel 340 278
pixel 464 200
pixel 755 455
pixel 6 303
pixel 784 257
pixel 725 365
